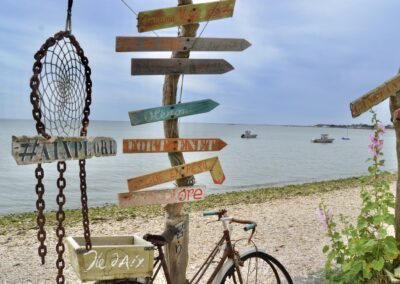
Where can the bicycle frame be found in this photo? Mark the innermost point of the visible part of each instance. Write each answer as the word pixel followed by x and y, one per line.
pixel 229 253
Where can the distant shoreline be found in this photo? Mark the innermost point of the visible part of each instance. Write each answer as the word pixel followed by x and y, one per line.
pixel 351 126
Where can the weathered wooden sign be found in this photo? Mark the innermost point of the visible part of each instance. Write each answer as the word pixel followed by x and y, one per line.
pixel 172 145
pixel 183 15
pixel 374 97
pixel 162 196
pixel 171 111
pixel 164 66
pixel 128 43
pixel 111 257
pixel 32 150
pixel 212 165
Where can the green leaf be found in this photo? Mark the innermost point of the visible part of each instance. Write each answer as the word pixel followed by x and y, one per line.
pixel 378 264
pixel 366 271
pixel 325 248
pixel 346 266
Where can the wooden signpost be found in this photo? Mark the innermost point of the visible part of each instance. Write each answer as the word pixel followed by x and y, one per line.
pixel 389 89
pixel 162 196
pixel 171 111
pixel 183 15
pixel 32 150
pixel 211 164
pixel 128 43
pixel 172 145
pixel 163 66
pixel 376 96
pixel 186 15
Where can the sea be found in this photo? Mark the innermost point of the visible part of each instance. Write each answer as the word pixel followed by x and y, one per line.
pixel 280 155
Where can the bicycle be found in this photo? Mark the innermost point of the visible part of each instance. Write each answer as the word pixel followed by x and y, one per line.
pixel 250 266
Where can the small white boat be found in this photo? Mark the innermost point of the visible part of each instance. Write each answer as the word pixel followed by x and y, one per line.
pixel 247 134
pixel 324 139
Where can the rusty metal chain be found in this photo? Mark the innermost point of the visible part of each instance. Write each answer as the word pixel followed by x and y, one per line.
pixel 84 201
pixel 60 216
pixel 40 219
pixel 41 129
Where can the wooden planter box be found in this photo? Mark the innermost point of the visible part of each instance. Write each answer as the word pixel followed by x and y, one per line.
pixel 111 257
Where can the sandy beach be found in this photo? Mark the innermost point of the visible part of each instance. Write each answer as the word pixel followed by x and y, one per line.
pixel 288 228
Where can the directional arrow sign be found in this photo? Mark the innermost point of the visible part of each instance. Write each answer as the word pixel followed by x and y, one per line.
pixel 164 66
pixel 212 165
pixel 183 15
pixel 171 111
pixel 32 150
pixel 162 196
pixel 172 145
pixel 374 97
pixel 127 43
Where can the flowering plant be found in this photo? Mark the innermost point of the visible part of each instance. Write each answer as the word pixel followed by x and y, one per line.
pixel 359 252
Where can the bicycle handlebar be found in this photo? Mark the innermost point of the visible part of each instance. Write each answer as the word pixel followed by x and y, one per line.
pixel 209 213
pixel 249 227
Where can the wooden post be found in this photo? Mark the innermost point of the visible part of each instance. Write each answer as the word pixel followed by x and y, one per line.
pixel 394 105
pixel 177 252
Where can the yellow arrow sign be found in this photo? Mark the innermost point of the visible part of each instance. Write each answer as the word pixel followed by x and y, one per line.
pixel 374 97
pixel 211 164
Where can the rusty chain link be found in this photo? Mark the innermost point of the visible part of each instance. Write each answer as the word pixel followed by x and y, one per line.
pixel 61 166
pixel 60 216
pixel 84 201
pixel 40 205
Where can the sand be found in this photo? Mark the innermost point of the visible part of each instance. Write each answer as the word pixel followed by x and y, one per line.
pixel 288 229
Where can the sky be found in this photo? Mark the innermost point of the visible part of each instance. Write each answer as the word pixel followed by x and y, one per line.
pixel 308 60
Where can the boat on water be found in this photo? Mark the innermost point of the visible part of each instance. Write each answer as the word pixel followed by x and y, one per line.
pixel 347 135
pixel 248 134
pixel 324 139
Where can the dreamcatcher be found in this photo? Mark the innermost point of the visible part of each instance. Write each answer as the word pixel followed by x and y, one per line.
pixel 61 91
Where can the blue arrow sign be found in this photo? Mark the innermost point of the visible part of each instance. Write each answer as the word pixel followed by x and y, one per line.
pixel 171 111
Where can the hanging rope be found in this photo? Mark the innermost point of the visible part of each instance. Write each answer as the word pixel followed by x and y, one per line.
pixel 68 26
pixel 136 14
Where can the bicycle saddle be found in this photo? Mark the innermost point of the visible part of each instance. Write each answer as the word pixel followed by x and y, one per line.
pixel 163 239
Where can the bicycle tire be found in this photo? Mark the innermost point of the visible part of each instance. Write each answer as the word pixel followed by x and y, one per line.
pixel 269 270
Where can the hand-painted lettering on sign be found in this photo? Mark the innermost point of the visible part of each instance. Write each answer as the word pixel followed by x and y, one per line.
pixel 374 97
pixel 127 43
pixel 172 145
pixel 211 164
pixel 183 15
pixel 115 258
pixel 162 196
pixel 171 111
pixel 32 150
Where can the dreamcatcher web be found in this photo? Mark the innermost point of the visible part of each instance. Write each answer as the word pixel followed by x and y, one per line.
pixel 62 89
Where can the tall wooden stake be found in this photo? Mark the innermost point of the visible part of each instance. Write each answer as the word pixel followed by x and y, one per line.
pixel 177 253
pixel 394 105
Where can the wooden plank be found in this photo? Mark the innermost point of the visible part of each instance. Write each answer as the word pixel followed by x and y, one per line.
pixel 171 111
pixel 162 196
pixel 376 96
pixel 128 43
pixel 183 15
pixel 165 66
pixel 32 150
pixel 211 164
pixel 172 145
pixel 111 258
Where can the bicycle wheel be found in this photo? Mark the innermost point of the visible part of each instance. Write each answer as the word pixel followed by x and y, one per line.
pixel 258 268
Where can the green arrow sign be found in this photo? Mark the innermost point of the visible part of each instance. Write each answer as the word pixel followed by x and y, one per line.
pixel 171 111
